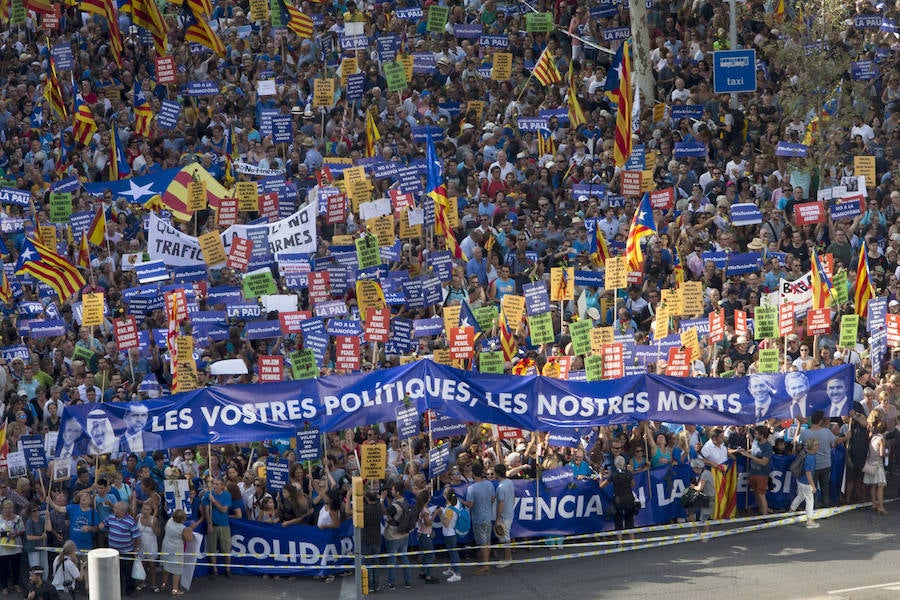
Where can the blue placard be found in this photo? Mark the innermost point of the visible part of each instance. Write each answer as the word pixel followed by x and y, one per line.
pixel 438 461
pixel 309 444
pixel 428 327
pixel 407 418
pixel 531 123
pixel 637 161
pixel 348 327
pixel 494 41
pixel 33 449
pixel 243 310
pixel 46 328
pixel 867 21
pixel 690 150
pixel 387 46
pixel 277 474
pixel 150 272
pixel 262 330
pixel 467 31
pixel 190 273
pixel 420 133
pixel 738 264
pixel 686 111
pixel 845 210
pixel 537 300
pixel 791 149
pixel 69 184
pixel 424 63
pixel 355 84
pixel 14 196
pixel 169 112
pixel 889 26
pixel 616 34
pixel 11 352
pixel 62 57
pixel 354 42
pixel 745 213
pixel 734 71
pixel 202 88
pixel 604 9
pixel 409 14
pixel 590 278
pixel 863 70
pixel 282 129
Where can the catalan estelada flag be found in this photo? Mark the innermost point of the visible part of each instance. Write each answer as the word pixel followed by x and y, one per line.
pixel 642 226
pixel 545 143
pixel 434 188
pixel 863 290
pixel 618 89
pixel 545 69
pixel 47 266
pixel 107 10
pixel 821 284
pixel 297 22
pixel 725 506
pixel 52 91
pixel 83 125
pixel 143 114
pixel 507 338
pixel 146 14
pixel 197 30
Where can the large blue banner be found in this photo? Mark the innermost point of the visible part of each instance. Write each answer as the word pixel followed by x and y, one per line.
pixel 266 549
pixel 241 413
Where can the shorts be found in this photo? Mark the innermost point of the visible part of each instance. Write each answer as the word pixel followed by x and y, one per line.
pixel 218 539
pixel 502 526
pixel 759 483
pixel 481 532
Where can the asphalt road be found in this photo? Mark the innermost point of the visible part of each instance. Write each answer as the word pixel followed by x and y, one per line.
pixel 855 555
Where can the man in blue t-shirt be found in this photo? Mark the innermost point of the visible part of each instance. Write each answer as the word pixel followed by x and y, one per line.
pixel 218 537
pixel 760 456
pixel 480 501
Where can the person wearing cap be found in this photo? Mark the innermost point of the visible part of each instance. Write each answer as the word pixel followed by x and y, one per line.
pixel 38 588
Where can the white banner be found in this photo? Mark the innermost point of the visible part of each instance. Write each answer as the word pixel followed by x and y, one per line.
pixel 248 169
pixel 799 292
pixel 294 234
pixel 174 248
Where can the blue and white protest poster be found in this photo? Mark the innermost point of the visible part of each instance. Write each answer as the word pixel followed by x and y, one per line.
pixel 791 150
pixel 438 461
pixel 745 213
pixel 309 444
pixel 277 474
pixel 407 422
pixel 264 548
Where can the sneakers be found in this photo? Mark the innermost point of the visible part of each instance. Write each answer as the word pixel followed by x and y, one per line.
pixel 390 586
pixel 812 525
pixel 447 572
pixel 504 564
pixel 454 578
pixel 407 585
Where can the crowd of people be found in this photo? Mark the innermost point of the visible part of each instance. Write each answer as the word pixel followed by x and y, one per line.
pixel 517 218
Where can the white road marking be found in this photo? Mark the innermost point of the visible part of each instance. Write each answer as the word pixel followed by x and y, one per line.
pixel 866 587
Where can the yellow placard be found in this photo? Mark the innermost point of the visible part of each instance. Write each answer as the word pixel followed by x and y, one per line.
pixel 647 183
pixel 693 297
pixel 690 340
pixel 48 235
pixel 247 193
pixel 407 61
pixel 373 459
pixel 616 273
pixel 213 248
pixel 185 348
pixel 92 310
pixel 442 357
pixel 502 70
pixel 259 10
pixel 562 290
pixel 196 199
pixel 661 328
pixel 865 166
pixel 349 66
pixel 451 316
pixel 408 231
pixel 478 107
pixel 514 309
pixel 323 93
pixel 383 228
pixel 369 295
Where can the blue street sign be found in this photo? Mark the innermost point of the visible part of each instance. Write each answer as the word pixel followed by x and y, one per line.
pixel 734 71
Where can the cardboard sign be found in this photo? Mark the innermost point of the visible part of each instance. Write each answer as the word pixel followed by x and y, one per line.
pixel 717 326
pixel 165 70
pixel 461 341
pixel 664 199
pixel 593 366
pixel 632 183
pixel 227 213
pixel 740 323
pixel 271 368
pixel 865 166
pixel 126 333
pixel 562 284
pixel 60 207
pixel 809 213
pixel 490 362
pixel 692 298
pixel 538 22
pixel 849 330
pixel 347 357
pixel 395 74
pixel 92 310
pixel 502 70
pixel 382 228
pixel 373 461
pixel 893 329
pixel 247 193
pixel 239 254
pixel 616 273
pixel 336 209
pixel 196 199
pixel 367 253
pixel 259 283
pixel 378 324
pixel 818 321
pixel 323 93
pixel 679 363
pixel 513 308
pixel 765 322
pixel 212 247
pixel 541 328
pixel 437 18
pixel 268 206
pixel 768 360
pixel 613 357
pixel 303 364
pixel 786 318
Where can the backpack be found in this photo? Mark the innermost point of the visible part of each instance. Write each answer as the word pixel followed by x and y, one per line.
pixel 797 463
pixel 463 519
pixel 404 519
